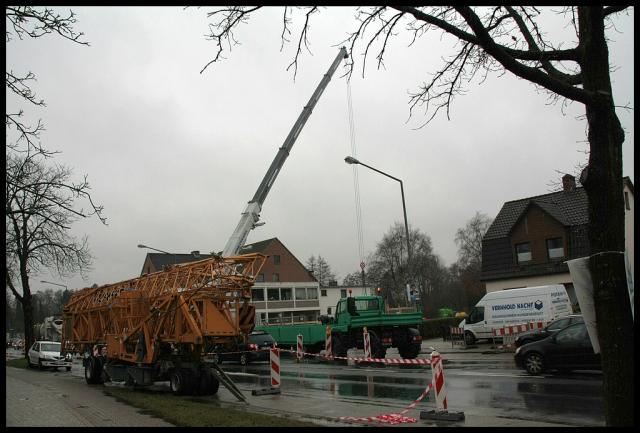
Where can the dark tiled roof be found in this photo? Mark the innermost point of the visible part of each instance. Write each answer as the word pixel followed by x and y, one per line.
pixel 570 208
pixel 257 247
pixel 160 260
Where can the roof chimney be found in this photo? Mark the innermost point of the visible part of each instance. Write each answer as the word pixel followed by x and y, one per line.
pixel 568 182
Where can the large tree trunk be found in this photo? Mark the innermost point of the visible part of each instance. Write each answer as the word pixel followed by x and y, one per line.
pixel 604 186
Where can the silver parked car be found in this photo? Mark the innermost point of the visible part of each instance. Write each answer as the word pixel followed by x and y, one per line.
pixel 47 354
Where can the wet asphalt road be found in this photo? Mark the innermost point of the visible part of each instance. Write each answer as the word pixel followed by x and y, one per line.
pixel 476 383
pixel 487 386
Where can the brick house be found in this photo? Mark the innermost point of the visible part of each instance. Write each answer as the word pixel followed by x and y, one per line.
pixel 530 239
pixel 284 289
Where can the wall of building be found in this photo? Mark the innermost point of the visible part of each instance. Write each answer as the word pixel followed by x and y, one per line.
pixel 333 294
pixel 536 226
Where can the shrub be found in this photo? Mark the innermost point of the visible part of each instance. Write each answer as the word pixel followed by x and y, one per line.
pixel 438 328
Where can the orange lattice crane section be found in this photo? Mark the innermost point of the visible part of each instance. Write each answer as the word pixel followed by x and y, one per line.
pixel 179 309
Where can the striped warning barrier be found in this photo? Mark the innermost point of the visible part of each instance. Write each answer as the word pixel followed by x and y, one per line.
pixel 274 360
pixel 437 378
pixel 274 357
pixel 509 333
pixel 537 325
pixel 327 344
pixel 457 336
pixel 367 343
pixel 300 348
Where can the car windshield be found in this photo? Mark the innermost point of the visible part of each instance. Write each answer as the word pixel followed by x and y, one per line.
pixel 260 338
pixel 50 347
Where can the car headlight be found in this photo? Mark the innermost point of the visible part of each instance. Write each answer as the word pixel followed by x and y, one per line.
pixel 68 357
pixel 518 350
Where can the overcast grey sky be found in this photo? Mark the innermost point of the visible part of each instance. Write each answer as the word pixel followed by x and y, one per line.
pixel 174 155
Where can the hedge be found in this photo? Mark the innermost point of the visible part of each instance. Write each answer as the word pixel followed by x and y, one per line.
pixel 437 328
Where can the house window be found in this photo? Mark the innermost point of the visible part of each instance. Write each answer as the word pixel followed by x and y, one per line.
pixel 257 295
pixel 285 294
pixel 276 277
pixel 301 293
pixel 276 260
pixel 260 278
pixel 323 292
pixel 312 293
pixel 523 252
pixel 273 294
pixel 555 249
pixel 343 293
pixel 329 310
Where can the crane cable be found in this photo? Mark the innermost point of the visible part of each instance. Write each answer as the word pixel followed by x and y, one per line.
pixel 356 184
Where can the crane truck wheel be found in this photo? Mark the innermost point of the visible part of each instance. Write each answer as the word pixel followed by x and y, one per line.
pixel 93 370
pixel 208 384
pixel 177 382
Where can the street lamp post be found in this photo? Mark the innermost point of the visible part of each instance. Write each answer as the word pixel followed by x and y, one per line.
pixel 154 249
pixel 351 160
pixel 55 284
pixel 173 256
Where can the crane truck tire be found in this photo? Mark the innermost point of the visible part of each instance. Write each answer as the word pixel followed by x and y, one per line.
pixel 410 348
pixel 178 382
pixel 93 370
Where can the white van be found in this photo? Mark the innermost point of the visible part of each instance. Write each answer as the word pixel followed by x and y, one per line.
pixel 515 307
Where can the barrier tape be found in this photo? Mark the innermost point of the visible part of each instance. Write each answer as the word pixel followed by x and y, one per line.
pixel 393 418
pixel 391 361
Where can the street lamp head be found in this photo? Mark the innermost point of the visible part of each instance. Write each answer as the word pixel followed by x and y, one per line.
pixel 142 246
pixel 350 160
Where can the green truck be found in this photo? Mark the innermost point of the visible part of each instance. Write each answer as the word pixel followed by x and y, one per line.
pixel 352 315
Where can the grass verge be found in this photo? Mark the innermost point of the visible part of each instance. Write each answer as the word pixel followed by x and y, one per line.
pixel 185 412
pixel 17 363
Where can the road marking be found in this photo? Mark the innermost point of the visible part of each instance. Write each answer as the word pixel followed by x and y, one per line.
pixel 242 374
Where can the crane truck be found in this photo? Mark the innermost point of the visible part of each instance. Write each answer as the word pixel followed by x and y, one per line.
pixel 154 327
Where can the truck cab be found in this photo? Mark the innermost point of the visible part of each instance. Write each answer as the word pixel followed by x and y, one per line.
pixel 361 307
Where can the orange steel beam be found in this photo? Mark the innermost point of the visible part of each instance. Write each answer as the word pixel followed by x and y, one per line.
pixel 186 304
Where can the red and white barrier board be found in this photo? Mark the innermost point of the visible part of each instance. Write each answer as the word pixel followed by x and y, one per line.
pixel 274 357
pixel 300 347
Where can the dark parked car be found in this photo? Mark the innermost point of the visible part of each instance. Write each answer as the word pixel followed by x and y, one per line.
pixel 568 349
pixel 550 329
pixel 256 349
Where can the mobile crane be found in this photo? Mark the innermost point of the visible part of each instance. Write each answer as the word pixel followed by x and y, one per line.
pixel 155 327
pixel 251 215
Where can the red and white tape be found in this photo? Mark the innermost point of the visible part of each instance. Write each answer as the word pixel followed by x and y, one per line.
pixel 392 418
pixel 392 361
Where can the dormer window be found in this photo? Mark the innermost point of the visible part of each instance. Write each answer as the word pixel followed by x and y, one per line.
pixel 555 249
pixel 523 252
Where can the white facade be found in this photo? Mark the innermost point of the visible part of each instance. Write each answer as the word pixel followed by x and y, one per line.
pixel 278 302
pixel 329 297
